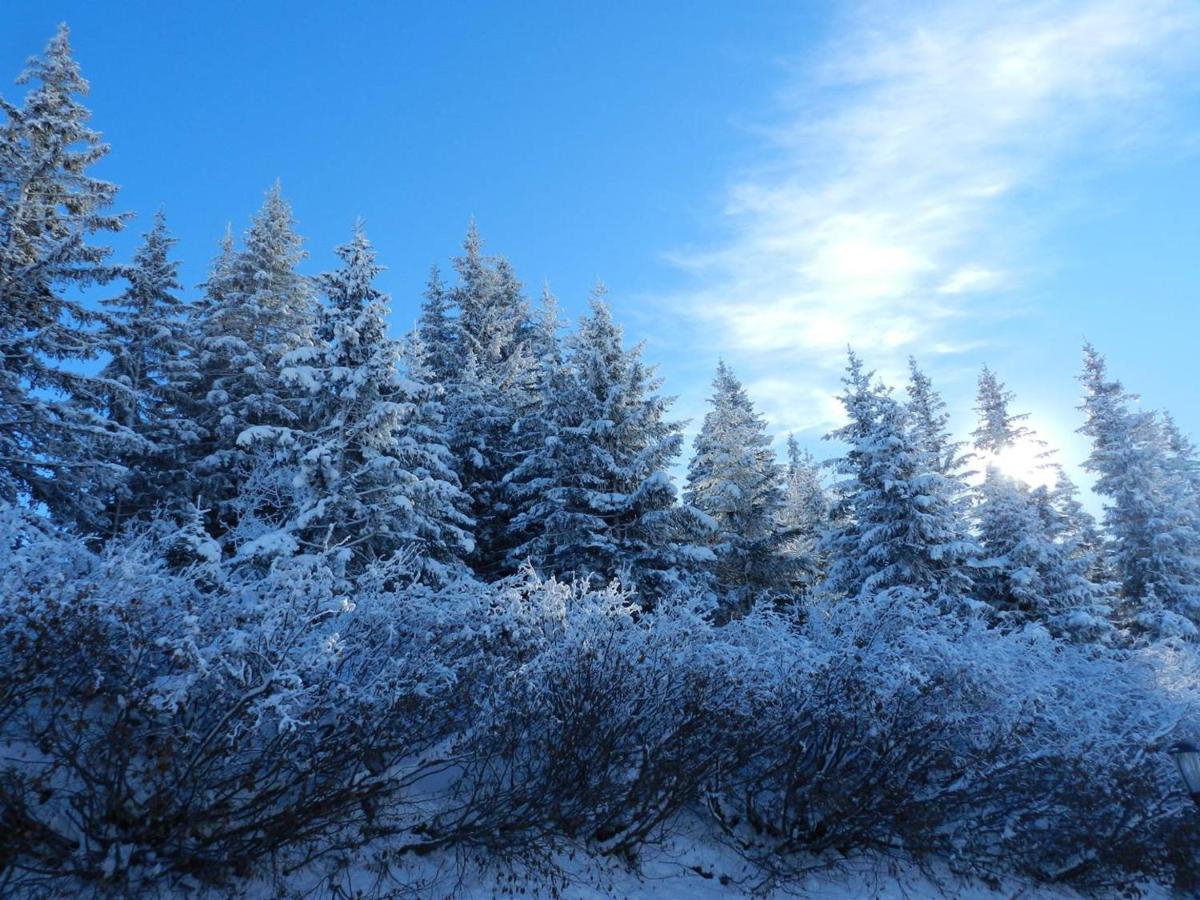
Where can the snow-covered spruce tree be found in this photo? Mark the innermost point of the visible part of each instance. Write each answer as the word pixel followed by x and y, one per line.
pixel 1155 552
pixel 536 431
pixel 256 309
pixel 56 451
pixel 901 528
pixel 803 519
pixel 1181 519
pixel 1121 459
pixel 1081 592
pixel 438 333
pixel 1031 571
pixel 1070 523
pixel 545 334
pixel 1184 462
pixel 931 423
pixel 151 360
pixel 735 480
pixel 602 504
pixel 493 377
pixel 372 472
pixel 998 428
pixel 1028 574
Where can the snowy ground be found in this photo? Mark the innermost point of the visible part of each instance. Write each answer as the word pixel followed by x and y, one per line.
pixel 682 870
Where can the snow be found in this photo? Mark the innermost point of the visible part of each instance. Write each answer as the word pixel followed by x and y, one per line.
pixel 684 868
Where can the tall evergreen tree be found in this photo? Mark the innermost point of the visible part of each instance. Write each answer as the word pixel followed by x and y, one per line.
pixel 1184 462
pixel 256 309
pixel 998 428
pixel 56 450
pixel 373 473
pixel 1076 527
pixel 604 503
pixel 151 366
pixel 494 375
pixel 1032 569
pixel 536 430
pixel 901 528
pixel 1028 573
pixel 1181 496
pixel 803 519
pixel 438 333
pixel 545 342
pixel 931 423
pixel 1148 512
pixel 736 481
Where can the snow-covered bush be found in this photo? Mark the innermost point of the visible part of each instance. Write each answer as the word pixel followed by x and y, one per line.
pixel 159 722
pixel 617 724
pixel 899 731
pixel 864 728
pixel 148 725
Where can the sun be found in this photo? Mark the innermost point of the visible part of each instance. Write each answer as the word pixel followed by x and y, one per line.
pixel 1024 461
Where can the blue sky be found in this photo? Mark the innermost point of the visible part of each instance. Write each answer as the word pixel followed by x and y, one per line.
pixel 966 182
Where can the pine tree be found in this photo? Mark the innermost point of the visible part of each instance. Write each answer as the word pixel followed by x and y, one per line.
pixel 604 505
pixel 1031 570
pixel 734 479
pixel 803 519
pixel 1176 525
pixel 1027 572
pixel 279 308
pixel 256 309
pixel 1181 521
pixel 438 333
pixel 373 473
pixel 545 341
pixel 494 375
pixel 901 528
pixel 998 428
pixel 1076 527
pixel 931 423
pixel 1148 511
pixel 536 429
pixel 1185 464
pixel 151 365
pixel 56 451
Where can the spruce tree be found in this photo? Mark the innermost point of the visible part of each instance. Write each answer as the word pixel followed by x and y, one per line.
pixel 998 428
pixel 57 451
pixel 1032 569
pixel 604 503
pixel 151 367
pixel 536 430
pixel 931 423
pixel 438 333
pixel 901 529
pixel 1076 527
pixel 1179 540
pixel 256 309
pixel 493 377
pixel 803 519
pixel 1149 510
pixel 1036 564
pixel 373 473
pixel 735 480
pixel 1027 573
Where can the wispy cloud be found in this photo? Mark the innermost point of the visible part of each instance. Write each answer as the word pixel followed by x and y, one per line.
pixel 900 175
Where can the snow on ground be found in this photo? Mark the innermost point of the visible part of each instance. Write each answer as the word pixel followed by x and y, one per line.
pixel 682 869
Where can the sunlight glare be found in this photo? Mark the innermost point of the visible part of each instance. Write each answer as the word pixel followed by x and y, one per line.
pixel 1024 461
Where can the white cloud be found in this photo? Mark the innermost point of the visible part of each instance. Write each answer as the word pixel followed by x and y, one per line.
pixel 970 278
pixel 900 170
